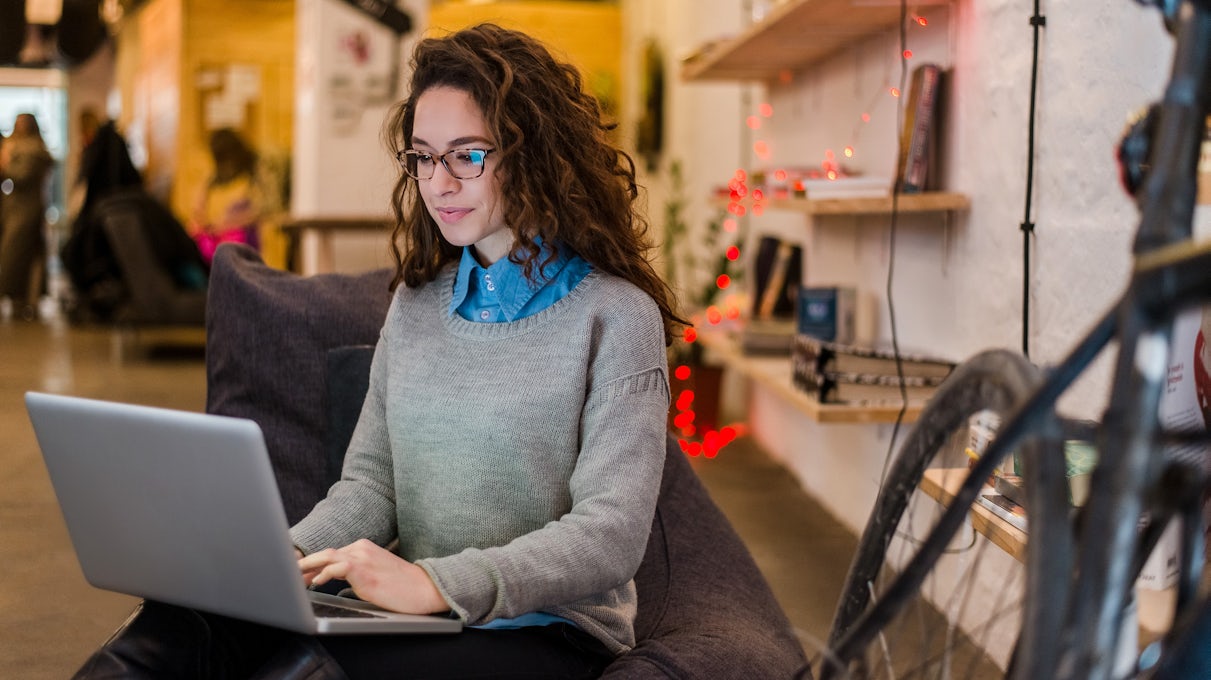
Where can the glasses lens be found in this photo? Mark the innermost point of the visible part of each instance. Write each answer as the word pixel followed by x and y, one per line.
pixel 465 163
pixel 418 165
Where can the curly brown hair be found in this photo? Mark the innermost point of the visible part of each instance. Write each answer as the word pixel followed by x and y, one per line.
pixel 564 180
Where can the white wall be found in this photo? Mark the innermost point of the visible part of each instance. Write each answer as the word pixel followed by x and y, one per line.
pixel 341 167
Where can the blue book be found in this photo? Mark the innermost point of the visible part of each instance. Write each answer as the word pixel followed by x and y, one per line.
pixel 826 313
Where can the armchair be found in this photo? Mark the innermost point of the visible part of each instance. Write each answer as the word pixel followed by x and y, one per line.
pixel 292 353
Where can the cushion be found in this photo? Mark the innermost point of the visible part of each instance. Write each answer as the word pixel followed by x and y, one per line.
pixel 705 610
pixel 268 333
pixel 348 376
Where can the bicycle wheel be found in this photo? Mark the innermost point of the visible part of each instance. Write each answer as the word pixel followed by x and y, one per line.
pixel 968 596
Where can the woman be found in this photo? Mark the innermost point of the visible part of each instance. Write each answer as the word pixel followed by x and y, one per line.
pixel 25 166
pixel 512 439
pixel 228 209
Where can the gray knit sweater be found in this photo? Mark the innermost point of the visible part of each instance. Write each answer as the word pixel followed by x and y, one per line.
pixel 518 463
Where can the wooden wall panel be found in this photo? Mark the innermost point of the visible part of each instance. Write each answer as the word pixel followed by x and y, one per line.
pixel 588 35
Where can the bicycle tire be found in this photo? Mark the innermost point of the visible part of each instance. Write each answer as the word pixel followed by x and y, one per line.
pixel 996 380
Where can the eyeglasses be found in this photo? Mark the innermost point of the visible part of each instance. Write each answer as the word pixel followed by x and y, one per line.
pixel 460 163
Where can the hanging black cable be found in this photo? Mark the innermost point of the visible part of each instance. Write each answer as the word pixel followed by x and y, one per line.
pixel 1037 21
pixel 891 250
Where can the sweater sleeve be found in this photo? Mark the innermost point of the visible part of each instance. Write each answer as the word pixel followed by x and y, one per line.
pixel 598 544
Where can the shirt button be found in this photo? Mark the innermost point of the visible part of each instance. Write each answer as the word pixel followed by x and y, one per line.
pixel 484 315
pixel 488 282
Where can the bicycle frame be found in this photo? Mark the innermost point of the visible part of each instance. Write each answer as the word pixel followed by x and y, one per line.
pixel 1170 274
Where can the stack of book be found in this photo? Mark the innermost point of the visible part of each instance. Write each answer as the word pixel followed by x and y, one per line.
pixel 847 187
pixel 839 373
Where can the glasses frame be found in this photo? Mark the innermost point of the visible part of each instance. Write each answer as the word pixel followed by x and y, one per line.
pixel 402 158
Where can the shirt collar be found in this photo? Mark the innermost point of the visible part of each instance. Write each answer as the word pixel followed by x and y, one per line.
pixel 513 289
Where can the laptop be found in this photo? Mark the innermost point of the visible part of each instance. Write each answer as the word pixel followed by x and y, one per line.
pixel 183 508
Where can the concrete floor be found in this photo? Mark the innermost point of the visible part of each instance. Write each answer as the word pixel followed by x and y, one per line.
pixel 54 619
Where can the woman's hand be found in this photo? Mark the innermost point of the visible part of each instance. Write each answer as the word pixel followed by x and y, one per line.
pixel 376 575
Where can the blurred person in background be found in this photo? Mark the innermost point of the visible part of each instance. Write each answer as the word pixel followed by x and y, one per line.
pixel 25 167
pixel 228 209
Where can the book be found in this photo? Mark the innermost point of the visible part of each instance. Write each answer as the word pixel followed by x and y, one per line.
pixel 847 187
pixel 779 271
pixel 830 387
pixel 827 313
pixel 1004 508
pixel 917 139
pixel 773 336
pixel 824 355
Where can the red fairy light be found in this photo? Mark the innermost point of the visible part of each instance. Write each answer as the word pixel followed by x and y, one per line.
pixel 895 92
pixel 683 419
pixel 682 373
pixel 740 175
pixel 729 225
pixel 908 54
pixel 849 152
pixel 713 315
pixel 685 399
pixel 733 253
pixel 866 118
pixel 732 313
pixel 922 21
pixel 688 431
pixel 690 334
pixel 723 281
pixel 759 210
pixel 753 122
pixel 765 109
pixel 758 195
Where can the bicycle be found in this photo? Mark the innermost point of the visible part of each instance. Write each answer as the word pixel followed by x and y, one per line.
pixel 1080 566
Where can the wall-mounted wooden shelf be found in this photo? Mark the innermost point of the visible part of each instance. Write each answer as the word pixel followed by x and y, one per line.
pixel 941 484
pixel 933 201
pixel 795 34
pixel 775 374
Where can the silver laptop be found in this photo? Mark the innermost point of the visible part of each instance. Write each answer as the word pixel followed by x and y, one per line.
pixel 183 508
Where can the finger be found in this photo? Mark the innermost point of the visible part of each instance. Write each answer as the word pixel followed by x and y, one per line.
pixel 317 560
pixel 335 571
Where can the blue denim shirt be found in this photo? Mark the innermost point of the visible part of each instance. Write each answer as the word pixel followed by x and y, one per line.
pixel 502 292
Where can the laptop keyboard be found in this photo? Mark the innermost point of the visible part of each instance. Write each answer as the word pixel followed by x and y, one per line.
pixel 328 611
